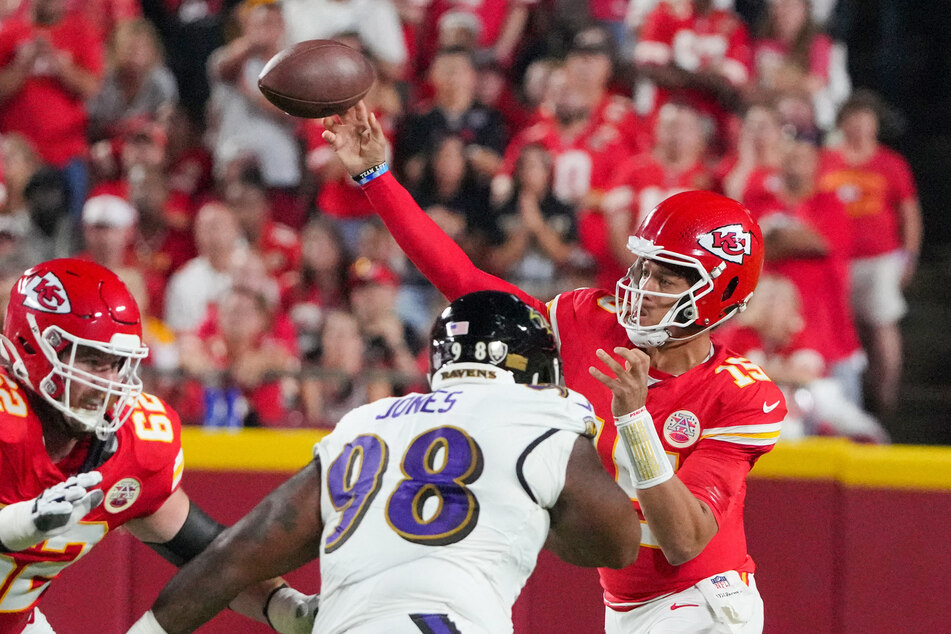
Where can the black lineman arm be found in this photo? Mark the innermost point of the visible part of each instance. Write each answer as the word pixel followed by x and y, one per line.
pixel 196 533
pixel 279 535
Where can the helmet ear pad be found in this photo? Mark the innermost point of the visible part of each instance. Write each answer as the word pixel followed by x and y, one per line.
pixel 496 328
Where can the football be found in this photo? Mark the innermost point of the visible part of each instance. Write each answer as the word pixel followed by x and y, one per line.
pixel 316 78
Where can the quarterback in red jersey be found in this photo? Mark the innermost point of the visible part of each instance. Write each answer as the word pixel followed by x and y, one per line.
pixel 690 418
pixel 71 470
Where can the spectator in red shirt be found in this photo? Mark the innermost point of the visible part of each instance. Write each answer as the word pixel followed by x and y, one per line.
pixel 758 148
pixel 50 64
pixel 584 127
pixel 318 285
pixel 240 361
pixel 106 15
pixel 878 190
pixel 808 237
pixel 791 54
pixel 675 163
pixel 691 50
pixel 162 242
pixel 188 165
pixel 275 242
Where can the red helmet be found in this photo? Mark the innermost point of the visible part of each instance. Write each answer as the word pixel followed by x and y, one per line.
pixel 707 233
pixel 56 309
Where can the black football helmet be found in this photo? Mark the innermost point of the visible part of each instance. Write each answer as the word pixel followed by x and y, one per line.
pixel 499 329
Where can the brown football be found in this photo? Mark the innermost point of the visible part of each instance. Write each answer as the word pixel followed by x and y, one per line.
pixel 316 78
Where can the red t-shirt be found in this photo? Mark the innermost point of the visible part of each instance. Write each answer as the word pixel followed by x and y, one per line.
pixel 872 194
pixel 137 479
pixel 747 342
pixel 43 109
pixel 822 281
pixel 714 421
pixel 267 398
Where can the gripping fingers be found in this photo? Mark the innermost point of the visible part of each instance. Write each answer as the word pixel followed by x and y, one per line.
pixel 67 502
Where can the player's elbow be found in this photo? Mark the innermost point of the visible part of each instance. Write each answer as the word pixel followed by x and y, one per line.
pixel 679 557
pixel 679 552
pixel 623 555
pixel 625 543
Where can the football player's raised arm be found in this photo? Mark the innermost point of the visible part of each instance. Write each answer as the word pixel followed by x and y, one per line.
pixel 358 140
pixel 593 523
pixel 242 565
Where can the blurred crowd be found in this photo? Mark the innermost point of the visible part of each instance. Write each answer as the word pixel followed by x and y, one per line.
pixel 536 133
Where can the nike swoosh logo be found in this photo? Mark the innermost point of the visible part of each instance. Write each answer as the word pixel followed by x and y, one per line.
pixel 768 408
pixel 677 606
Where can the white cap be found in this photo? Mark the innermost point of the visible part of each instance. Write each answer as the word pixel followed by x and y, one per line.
pixel 461 19
pixel 110 211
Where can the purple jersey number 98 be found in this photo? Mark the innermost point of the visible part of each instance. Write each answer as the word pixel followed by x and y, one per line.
pixel 439 463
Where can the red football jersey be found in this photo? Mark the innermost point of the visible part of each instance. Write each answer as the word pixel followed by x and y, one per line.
pixel 136 480
pixel 714 420
pixel 718 41
pixel 872 194
pixel 586 161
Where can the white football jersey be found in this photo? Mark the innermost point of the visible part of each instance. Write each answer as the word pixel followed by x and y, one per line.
pixel 434 505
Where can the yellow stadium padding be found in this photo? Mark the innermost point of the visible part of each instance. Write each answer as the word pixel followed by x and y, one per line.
pixel 835 459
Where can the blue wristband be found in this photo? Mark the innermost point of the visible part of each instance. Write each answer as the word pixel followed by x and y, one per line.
pixel 374 172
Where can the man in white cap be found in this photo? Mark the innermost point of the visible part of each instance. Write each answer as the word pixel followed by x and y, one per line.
pixel 108 224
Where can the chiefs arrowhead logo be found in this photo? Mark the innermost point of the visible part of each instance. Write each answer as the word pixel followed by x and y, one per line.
pixel 46 293
pixel 729 242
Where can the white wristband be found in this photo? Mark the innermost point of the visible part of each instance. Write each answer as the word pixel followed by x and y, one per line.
pixel 17 530
pixel 147 625
pixel 649 463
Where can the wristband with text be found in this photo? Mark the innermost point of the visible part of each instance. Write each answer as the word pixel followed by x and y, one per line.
pixel 374 172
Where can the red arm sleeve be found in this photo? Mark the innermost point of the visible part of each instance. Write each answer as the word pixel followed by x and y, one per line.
pixel 437 256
